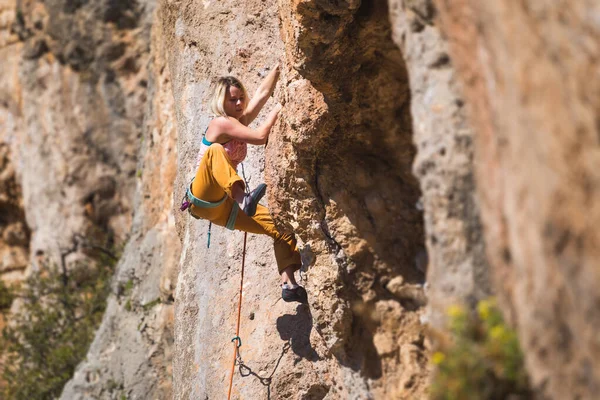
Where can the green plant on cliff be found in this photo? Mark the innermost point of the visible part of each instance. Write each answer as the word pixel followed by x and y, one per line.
pixel 483 360
pixel 6 297
pixel 50 335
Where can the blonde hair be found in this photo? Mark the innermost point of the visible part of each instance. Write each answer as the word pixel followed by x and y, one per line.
pixel 220 91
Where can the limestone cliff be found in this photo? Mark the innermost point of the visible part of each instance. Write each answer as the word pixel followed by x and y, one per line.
pixel 81 110
pixel 428 152
pixel 339 171
pixel 532 80
pixel 14 231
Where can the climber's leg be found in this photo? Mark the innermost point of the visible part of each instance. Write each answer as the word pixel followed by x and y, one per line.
pixel 215 178
pixel 287 276
pixel 286 252
pixel 238 192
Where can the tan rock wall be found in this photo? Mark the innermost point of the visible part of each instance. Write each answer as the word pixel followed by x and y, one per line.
pixel 338 165
pixel 14 231
pixel 457 269
pixel 82 102
pixel 112 112
pixel 92 157
pixel 340 169
pixel 205 40
pixel 531 77
pixel 132 352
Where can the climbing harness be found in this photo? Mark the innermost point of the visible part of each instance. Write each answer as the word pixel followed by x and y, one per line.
pixel 189 199
pixel 206 142
pixel 207 204
pixel 236 339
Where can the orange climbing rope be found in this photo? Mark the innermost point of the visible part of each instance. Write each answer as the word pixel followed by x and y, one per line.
pixel 237 342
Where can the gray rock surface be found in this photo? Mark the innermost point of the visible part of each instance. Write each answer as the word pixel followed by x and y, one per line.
pixel 132 352
pixel 101 110
pixel 77 127
pixel 357 231
pixel 531 78
pixel 278 340
pixel 358 224
pixel 457 270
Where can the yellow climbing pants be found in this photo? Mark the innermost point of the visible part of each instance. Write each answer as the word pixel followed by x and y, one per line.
pixel 215 178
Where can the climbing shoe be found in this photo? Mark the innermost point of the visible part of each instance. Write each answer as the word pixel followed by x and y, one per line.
pixel 296 294
pixel 251 199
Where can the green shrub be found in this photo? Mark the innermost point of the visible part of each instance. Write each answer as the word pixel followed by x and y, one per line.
pixel 6 297
pixel 128 305
pixel 51 334
pixel 483 360
pixel 151 304
pixel 128 287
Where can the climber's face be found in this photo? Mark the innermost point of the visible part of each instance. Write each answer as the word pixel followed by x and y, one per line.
pixel 234 102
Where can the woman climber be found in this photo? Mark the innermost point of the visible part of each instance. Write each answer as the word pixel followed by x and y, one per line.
pixel 218 194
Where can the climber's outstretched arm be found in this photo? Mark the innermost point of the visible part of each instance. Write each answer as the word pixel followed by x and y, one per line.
pixel 223 129
pixel 261 96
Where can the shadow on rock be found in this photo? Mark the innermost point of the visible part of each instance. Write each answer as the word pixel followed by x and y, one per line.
pixel 245 370
pixel 296 329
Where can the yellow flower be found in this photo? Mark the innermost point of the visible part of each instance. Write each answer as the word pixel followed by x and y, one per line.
pixel 455 311
pixel 498 332
pixel 438 358
pixel 484 308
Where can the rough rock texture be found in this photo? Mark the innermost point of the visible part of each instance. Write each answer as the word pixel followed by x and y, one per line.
pixel 206 40
pixel 131 355
pixel 99 118
pixel 102 104
pixel 14 232
pixel 14 243
pixel 91 86
pixel 75 126
pixel 457 270
pixel 531 74
pixel 340 173
pixel 338 167
pixel 82 109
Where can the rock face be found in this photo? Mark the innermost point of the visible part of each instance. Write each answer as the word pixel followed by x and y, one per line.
pixel 457 270
pixel 338 165
pixel 14 231
pixel 131 355
pixel 531 78
pixel 81 116
pixel 87 71
pixel 373 164
pixel 87 149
